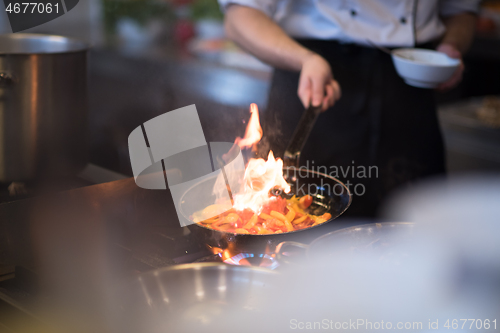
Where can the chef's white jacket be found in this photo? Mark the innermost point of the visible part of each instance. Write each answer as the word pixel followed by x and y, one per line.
pixel 384 22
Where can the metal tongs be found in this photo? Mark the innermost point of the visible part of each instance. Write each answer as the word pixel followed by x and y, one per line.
pixel 291 157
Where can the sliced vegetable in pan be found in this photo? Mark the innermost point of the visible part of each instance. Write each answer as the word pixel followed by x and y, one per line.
pixel 279 215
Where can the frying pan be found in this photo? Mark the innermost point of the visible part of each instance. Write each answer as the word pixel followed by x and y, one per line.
pixel 329 196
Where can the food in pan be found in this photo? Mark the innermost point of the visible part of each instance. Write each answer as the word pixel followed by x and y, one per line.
pixel 278 215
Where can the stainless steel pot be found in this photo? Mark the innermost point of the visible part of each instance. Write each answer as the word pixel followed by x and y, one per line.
pixel 43 106
pixel 186 298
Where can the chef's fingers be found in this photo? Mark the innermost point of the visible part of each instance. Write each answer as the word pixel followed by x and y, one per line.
pixel 318 90
pixel 337 90
pixel 453 81
pixel 450 84
pixel 329 98
pixel 304 90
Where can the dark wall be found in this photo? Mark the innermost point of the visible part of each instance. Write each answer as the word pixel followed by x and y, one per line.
pixel 127 91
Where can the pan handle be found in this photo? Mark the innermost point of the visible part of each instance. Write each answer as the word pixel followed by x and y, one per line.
pixel 304 127
pixel 279 252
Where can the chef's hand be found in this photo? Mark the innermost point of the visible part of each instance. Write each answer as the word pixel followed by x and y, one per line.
pixel 316 83
pixel 452 52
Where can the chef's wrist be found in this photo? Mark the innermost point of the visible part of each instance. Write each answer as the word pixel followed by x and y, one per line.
pixel 307 56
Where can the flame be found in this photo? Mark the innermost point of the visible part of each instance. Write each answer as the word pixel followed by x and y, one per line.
pixel 260 177
pixel 215 250
pixel 233 255
pixel 253 132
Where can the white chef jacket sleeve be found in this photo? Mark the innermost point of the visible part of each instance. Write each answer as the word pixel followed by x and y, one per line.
pixel 454 7
pixel 268 7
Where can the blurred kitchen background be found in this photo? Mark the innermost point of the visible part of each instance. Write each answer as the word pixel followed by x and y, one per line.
pixel 152 56
pixel 149 57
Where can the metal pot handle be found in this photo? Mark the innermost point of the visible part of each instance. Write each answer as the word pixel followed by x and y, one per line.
pixel 279 250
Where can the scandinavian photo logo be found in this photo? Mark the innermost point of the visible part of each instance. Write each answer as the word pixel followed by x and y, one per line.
pixel 170 151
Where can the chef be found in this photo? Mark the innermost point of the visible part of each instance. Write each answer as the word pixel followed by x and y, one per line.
pixel 322 50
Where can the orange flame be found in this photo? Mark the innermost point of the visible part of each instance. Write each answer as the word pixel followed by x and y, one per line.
pixel 253 132
pixel 215 250
pixel 260 175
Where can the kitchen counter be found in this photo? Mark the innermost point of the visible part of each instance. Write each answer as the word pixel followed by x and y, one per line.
pixel 85 240
pixel 108 231
pixel 471 145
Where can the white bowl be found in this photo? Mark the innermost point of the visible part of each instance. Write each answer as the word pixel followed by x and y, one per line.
pixel 424 68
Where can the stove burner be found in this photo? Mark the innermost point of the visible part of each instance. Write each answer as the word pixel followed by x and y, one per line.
pixel 249 259
pixel 234 257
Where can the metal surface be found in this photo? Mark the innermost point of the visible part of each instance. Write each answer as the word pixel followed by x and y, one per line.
pixel 173 299
pixel 108 230
pixel 43 106
pixel 329 195
pixel 379 238
pixel 291 157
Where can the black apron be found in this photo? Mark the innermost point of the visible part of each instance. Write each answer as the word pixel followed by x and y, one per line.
pixel 381 135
